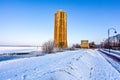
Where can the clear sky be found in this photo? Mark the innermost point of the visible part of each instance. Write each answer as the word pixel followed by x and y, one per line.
pixel 32 21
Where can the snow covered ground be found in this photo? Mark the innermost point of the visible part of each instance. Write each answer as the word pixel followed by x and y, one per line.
pixel 113 57
pixel 112 52
pixel 70 65
pixel 114 63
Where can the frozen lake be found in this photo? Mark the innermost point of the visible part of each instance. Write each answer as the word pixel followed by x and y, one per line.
pixel 30 52
pixel 18 49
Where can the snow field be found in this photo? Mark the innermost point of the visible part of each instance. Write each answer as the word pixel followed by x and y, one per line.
pixel 70 65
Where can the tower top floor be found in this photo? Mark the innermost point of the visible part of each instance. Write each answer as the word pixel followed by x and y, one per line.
pixel 60 10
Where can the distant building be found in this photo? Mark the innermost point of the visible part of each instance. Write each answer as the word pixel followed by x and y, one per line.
pixel 114 42
pixel 60 29
pixel 84 44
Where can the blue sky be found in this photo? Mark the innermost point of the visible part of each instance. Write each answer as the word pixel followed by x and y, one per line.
pixel 32 21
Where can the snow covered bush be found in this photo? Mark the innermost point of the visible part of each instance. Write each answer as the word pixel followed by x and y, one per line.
pixel 48 47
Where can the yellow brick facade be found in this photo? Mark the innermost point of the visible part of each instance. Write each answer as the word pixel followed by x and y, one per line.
pixel 60 29
pixel 84 44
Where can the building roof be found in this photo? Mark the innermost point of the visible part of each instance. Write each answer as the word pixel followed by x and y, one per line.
pixel 61 10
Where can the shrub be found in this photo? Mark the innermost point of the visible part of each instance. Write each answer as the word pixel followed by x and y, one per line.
pixel 48 47
pixel 75 46
pixel 92 45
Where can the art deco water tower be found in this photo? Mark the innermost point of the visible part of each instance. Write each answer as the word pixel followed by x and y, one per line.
pixel 60 29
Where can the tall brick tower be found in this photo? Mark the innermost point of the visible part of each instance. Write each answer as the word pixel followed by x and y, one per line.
pixel 60 29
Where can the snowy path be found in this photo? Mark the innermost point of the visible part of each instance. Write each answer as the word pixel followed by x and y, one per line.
pixel 70 65
pixel 112 58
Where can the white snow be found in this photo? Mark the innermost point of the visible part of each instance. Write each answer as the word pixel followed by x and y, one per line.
pixel 116 53
pixel 115 63
pixel 70 65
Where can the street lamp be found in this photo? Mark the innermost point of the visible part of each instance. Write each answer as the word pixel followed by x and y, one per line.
pixel 109 36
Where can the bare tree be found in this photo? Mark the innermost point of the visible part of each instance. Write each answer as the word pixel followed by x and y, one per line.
pixel 76 46
pixel 48 47
pixel 92 45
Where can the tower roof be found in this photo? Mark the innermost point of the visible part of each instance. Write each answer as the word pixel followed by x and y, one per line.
pixel 61 10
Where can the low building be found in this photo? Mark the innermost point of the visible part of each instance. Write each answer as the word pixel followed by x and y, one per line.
pixel 84 44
